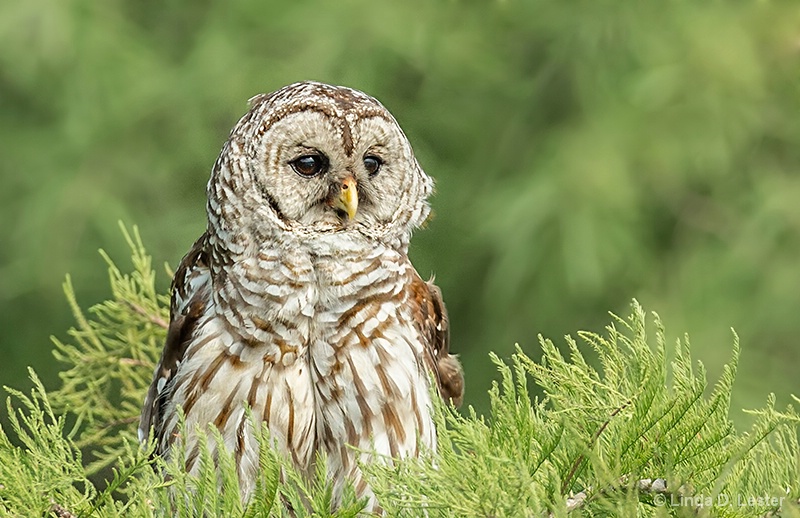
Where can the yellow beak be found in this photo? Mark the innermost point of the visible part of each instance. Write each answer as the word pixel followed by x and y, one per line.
pixel 348 197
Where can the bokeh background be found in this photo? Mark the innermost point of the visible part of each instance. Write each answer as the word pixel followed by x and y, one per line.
pixel 585 153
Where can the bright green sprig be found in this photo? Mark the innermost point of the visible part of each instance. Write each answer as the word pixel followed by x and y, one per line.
pixel 633 430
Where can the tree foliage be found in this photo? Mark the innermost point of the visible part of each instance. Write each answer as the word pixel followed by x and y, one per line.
pixel 641 435
pixel 585 152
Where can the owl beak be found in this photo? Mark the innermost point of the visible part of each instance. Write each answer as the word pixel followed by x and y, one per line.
pixel 347 200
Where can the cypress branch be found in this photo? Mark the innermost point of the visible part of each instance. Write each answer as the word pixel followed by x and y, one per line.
pixel 635 434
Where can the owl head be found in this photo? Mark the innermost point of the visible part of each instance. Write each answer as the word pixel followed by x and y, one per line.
pixel 313 159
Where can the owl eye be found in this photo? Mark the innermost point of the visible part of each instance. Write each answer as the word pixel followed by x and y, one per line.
pixel 372 164
pixel 309 165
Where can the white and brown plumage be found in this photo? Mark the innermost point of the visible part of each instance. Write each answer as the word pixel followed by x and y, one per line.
pixel 300 301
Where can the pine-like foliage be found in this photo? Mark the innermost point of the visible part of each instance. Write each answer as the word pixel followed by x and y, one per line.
pixel 639 436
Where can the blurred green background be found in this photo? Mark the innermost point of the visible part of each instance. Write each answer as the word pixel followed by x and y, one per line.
pixel 585 153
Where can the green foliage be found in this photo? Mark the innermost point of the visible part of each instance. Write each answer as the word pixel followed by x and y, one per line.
pixel 585 152
pixel 45 475
pixel 601 434
pixel 596 444
pixel 113 356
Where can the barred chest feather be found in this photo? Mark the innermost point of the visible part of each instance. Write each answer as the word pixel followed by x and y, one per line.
pixel 321 343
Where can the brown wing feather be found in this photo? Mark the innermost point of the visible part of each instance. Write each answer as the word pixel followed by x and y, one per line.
pixel 186 307
pixel 432 318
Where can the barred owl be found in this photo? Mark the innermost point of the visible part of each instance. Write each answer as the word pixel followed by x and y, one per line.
pixel 300 302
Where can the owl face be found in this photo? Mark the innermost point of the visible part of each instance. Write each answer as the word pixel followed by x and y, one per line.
pixel 313 158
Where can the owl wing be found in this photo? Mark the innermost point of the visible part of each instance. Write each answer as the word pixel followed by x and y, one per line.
pixel 431 316
pixel 190 288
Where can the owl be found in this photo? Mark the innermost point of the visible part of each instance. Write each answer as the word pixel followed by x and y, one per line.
pixel 299 301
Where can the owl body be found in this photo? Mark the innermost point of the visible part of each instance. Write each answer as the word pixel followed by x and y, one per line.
pixel 300 303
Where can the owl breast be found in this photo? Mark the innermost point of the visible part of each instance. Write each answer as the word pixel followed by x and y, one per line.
pixel 321 344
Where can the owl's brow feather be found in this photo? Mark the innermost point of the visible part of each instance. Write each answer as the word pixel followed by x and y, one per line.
pixel 337 112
